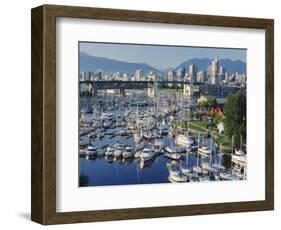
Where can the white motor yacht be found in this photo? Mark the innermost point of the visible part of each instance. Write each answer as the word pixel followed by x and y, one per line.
pixel 208 167
pixel 137 137
pixel 185 171
pixel 205 151
pixel 147 154
pixel 109 151
pixel 170 149
pixel 108 116
pixel 163 129
pixel 184 140
pixel 138 154
pixel 158 144
pixel 175 175
pixel 119 147
pixel 204 178
pixel 139 146
pixel 227 176
pixel 100 152
pixel 197 169
pixel 117 153
pixel 128 152
pixel 92 150
pixel 239 156
pixel 172 153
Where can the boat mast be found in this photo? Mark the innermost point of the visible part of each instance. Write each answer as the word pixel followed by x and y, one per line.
pixel 244 173
pixel 211 147
pixel 187 159
pixel 188 113
pixel 197 163
pixel 220 154
pixel 138 130
pixel 232 146
pixel 115 126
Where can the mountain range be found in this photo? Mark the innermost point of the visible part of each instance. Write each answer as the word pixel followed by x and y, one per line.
pixel 231 66
pixel 93 63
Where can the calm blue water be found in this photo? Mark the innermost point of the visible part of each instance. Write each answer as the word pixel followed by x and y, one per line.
pixel 101 171
pixel 105 171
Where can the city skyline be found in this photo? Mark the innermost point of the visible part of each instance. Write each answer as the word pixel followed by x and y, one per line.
pixel 158 56
pixel 141 125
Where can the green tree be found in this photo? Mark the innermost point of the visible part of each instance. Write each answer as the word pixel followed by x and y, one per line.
pixel 206 103
pixel 235 116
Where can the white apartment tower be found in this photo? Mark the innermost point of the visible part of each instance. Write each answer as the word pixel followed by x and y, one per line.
pixel 139 75
pixel 192 73
pixel 215 67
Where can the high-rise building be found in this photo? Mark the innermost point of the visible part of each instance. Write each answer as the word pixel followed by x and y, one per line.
pixel 215 67
pixel 151 76
pixel 201 76
pixel 117 76
pixel 220 78
pixel 92 77
pixel 125 77
pixel 241 78
pixel 221 74
pixel 221 70
pixel 192 73
pixel 81 76
pixel 226 77
pixel 171 77
pixel 209 70
pixel 213 80
pixel 180 74
pixel 98 75
pixel 84 76
pixel 139 75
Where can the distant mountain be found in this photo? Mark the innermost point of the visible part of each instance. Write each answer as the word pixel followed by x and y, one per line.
pixel 92 63
pixel 231 66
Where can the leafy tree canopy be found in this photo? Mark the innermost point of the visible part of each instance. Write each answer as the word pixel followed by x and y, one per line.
pixel 235 116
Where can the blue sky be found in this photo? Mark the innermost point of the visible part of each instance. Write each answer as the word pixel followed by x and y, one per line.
pixel 161 57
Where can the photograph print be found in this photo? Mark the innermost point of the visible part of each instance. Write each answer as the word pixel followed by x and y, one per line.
pixel 161 114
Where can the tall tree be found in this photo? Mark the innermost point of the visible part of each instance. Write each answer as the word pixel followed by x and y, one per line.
pixel 235 116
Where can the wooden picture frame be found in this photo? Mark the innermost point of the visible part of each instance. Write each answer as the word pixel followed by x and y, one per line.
pixel 43 208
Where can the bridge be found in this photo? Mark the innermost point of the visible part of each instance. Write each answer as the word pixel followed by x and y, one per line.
pixel 130 84
pixel 94 86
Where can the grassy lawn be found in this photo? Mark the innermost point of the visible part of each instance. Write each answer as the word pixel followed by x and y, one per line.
pixel 224 142
pixel 202 124
pixel 198 126
pixel 180 124
pixel 194 125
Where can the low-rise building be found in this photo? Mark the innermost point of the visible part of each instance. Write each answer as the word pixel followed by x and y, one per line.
pixel 216 90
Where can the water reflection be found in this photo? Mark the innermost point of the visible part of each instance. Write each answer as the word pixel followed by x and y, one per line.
pixel 98 171
pixel 123 144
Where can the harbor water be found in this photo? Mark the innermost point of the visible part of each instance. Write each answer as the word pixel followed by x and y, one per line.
pixel 101 170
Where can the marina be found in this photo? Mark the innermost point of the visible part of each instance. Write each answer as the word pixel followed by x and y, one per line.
pixel 132 138
pixel 183 121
